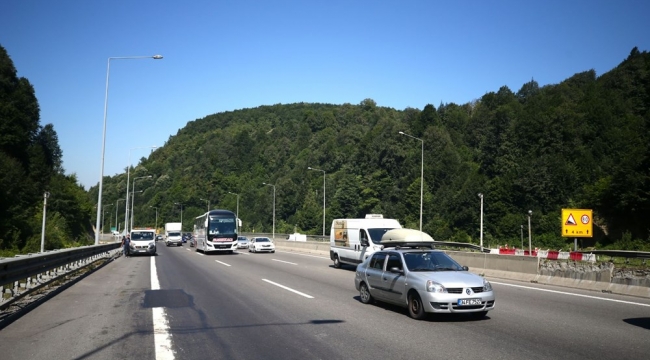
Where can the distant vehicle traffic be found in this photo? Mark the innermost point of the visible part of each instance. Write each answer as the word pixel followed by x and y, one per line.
pixel 159 237
pixel 347 237
pixel 173 234
pixel 421 280
pixel 261 244
pixel 242 242
pixel 216 231
pixel 142 242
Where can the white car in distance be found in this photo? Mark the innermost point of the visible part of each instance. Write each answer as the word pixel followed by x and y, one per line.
pixel 260 244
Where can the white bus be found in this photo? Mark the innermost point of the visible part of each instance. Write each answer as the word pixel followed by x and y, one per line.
pixel 216 230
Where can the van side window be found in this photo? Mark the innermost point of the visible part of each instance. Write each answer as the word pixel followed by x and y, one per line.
pixel 363 236
pixel 377 261
pixel 394 260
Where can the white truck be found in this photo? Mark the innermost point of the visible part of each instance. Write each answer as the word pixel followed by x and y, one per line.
pixel 354 240
pixel 173 234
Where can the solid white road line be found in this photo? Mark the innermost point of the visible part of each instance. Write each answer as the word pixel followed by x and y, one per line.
pixel 282 261
pixel 222 263
pixel 161 336
pixel 288 288
pixel 571 294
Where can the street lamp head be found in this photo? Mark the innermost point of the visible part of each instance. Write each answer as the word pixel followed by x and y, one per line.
pixel 157 57
pixel 46 194
pixel 308 167
pixel 480 195
pixel 530 212
pixel 401 132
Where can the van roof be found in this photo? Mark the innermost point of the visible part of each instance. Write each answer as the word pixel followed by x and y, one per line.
pixel 406 237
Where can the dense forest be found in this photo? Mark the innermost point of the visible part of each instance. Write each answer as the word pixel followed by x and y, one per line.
pixel 582 143
pixel 31 164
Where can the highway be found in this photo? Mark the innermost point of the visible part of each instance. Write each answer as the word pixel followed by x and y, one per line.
pixel 297 306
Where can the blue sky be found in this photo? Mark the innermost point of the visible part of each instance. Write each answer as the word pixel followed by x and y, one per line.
pixel 227 55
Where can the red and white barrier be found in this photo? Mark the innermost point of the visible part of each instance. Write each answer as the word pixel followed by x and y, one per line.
pixel 548 254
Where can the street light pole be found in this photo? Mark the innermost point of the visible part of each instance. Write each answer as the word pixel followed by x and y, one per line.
pixel 101 171
pixel 480 195
pixel 273 208
pixel 237 213
pixel 421 174
pixel 156 223
pixel 133 199
pixel 530 246
pixel 116 208
pixel 103 213
pixel 128 181
pixel 208 201
pixel 45 196
pixel 522 236
pixel 181 204
pixel 311 168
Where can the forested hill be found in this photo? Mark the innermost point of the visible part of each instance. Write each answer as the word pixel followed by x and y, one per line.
pixel 582 143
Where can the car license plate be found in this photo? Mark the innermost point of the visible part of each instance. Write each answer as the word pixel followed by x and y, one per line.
pixel 464 302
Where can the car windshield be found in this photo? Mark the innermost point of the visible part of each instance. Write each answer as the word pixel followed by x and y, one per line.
pixel 430 261
pixel 262 240
pixel 140 236
pixel 242 238
pixel 174 234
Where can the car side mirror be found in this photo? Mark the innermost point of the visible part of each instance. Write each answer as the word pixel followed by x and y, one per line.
pixel 465 268
pixel 396 270
pixel 364 242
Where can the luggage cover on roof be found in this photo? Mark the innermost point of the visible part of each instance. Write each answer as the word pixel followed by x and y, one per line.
pixel 399 236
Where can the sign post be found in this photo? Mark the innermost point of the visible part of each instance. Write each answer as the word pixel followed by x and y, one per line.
pixel 577 223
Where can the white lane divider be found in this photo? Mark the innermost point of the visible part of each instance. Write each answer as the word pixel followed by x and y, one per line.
pixel 288 288
pixel 198 253
pixel 572 294
pixel 297 253
pixel 222 263
pixel 242 253
pixel 188 249
pixel 286 262
pixel 161 336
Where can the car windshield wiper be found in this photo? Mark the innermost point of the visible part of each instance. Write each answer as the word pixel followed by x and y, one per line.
pixel 445 269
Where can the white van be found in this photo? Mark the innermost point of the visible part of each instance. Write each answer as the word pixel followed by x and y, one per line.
pixel 353 240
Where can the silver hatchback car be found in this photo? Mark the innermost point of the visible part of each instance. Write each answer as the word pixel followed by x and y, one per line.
pixel 424 281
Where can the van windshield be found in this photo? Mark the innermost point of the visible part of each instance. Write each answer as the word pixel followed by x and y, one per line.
pixel 140 236
pixel 376 234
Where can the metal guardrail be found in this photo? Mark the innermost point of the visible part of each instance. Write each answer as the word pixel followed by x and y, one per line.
pixel 25 273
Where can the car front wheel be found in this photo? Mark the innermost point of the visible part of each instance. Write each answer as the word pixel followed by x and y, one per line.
pixel 416 310
pixel 364 294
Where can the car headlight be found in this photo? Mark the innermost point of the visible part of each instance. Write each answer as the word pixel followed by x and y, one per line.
pixel 152 244
pixel 435 287
pixel 486 285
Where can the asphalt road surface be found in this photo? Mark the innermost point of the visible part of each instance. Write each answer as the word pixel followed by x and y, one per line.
pixel 182 304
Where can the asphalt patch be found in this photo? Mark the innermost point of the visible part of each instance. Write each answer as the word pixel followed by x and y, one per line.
pixel 174 298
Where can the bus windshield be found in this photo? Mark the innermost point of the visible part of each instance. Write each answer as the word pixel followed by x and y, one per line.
pixel 221 226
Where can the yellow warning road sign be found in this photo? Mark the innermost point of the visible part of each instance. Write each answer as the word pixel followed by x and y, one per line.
pixel 577 223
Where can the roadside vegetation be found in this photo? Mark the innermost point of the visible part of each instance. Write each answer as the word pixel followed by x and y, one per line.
pixel 582 143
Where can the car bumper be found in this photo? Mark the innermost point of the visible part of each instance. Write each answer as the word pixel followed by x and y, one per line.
pixel 450 303
pixel 264 249
pixel 146 251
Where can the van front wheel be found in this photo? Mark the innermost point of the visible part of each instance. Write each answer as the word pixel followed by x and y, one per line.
pixel 337 262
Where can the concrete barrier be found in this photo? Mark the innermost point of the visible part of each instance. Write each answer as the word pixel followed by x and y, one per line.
pixel 580 275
